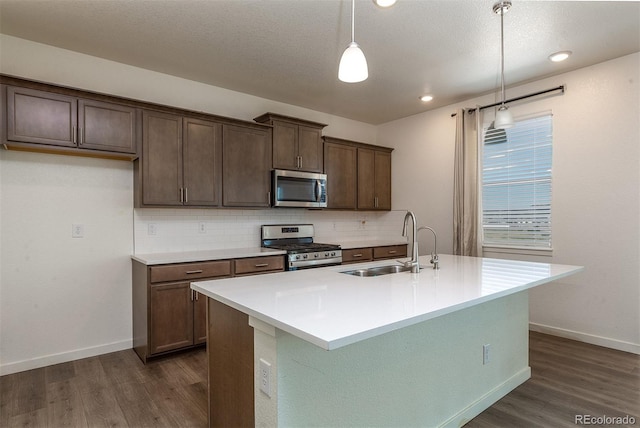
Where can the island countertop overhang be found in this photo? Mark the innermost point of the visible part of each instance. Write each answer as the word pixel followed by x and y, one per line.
pixel 331 309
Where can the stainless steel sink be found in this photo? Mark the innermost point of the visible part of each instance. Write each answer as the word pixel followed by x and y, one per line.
pixel 377 271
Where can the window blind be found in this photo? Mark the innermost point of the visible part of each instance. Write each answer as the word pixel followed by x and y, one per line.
pixel 516 184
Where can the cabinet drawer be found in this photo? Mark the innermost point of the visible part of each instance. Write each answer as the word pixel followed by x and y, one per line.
pixel 189 271
pixel 357 255
pixel 389 252
pixel 255 265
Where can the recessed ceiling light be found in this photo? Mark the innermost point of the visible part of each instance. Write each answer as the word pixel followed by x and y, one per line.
pixel 384 3
pixel 559 56
pixel 426 98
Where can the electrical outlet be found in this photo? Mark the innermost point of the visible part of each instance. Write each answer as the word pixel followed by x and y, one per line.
pixel 152 229
pixel 486 359
pixel 265 377
pixel 202 227
pixel 77 230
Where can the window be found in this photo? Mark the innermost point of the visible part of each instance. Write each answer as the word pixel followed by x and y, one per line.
pixel 516 184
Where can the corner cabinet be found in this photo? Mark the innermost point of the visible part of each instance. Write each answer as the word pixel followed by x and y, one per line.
pixel 297 143
pixel 358 175
pixel 246 166
pixel 53 122
pixel 181 161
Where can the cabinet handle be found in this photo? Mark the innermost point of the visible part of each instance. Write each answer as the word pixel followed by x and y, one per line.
pixel 357 255
pixel 80 136
pixel 197 295
pixel 186 195
pixel 392 252
pixel 262 265
pixel 181 195
pixel 269 198
pixel 375 202
pixel 191 272
pixel 300 165
pixel 192 295
pixel 73 134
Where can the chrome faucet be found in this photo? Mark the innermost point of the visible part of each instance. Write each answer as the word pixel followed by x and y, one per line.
pixel 413 263
pixel 434 254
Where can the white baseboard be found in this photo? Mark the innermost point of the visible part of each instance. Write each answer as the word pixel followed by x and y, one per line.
pixel 63 357
pixel 487 400
pixel 607 342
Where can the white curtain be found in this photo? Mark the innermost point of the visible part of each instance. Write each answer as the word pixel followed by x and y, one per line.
pixel 467 240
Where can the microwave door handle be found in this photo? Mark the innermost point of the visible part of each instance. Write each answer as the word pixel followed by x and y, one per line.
pixel 318 190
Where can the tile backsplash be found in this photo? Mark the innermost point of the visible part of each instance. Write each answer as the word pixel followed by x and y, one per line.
pixel 159 230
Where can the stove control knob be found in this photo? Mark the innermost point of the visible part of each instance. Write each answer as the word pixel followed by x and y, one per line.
pixel 333 253
pixel 305 256
pixel 326 254
pixel 316 255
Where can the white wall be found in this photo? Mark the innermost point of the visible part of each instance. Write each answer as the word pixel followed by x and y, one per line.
pixel 64 298
pixel 596 195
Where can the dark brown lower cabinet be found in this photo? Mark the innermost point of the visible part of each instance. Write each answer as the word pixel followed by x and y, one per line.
pixel 359 255
pixel 167 314
pixel 171 317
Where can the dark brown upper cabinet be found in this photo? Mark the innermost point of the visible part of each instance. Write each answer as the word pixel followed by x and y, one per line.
pixel 374 179
pixel 340 163
pixel 52 122
pixel 358 175
pixel 181 161
pixel 297 143
pixel 246 161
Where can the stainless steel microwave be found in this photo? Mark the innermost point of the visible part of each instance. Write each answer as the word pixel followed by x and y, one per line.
pixel 299 189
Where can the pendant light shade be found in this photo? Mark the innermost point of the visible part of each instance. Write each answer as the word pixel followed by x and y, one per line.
pixel 504 119
pixel 353 65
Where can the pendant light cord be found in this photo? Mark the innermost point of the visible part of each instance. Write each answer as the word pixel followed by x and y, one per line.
pixel 502 51
pixel 353 20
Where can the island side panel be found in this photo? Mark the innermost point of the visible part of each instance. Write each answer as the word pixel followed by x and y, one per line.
pixel 230 359
pixel 429 374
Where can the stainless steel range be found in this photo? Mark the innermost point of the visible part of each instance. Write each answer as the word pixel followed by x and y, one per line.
pixel 297 241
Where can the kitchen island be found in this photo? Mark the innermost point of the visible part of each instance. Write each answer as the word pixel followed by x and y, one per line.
pixel 324 348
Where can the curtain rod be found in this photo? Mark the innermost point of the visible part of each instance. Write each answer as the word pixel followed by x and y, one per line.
pixel 558 88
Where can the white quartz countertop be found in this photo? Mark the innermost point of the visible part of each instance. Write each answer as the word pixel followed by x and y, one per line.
pixel 199 256
pixel 331 309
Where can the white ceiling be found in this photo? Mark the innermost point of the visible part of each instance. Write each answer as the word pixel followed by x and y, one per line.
pixel 288 50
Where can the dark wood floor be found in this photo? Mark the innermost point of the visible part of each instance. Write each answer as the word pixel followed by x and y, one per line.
pixel 568 378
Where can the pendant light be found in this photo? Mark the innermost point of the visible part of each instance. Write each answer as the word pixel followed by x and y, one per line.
pixel 353 65
pixel 504 119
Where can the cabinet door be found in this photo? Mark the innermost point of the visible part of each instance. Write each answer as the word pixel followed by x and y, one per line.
pixel 285 142
pixel 340 167
pixel 310 148
pixel 171 317
pixel 374 179
pixel 202 166
pixel 105 126
pixel 199 318
pixel 161 159
pixel 246 166
pixel 383 180
pixel 366 179
pixel 41 117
